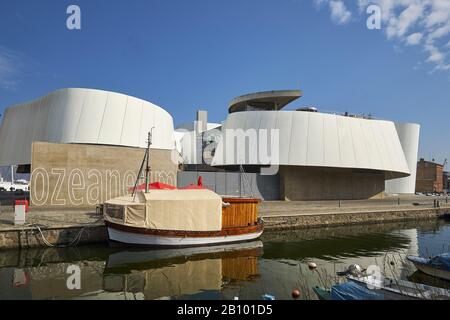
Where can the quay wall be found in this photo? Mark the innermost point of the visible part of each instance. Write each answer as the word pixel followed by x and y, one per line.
pixel 31 238
pixel 294 221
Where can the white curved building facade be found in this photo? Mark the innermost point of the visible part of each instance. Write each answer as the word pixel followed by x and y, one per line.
pixel 317 140
pixel 319 156
pixel 84 146
pixel 409 135
pixel 83 116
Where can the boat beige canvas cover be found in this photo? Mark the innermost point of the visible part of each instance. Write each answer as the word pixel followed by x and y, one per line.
pixel 178 210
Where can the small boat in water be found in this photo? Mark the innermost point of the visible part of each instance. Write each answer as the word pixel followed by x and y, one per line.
pixel 368 288
pixel 163 215
pixel 348 291
pixel 438 266
pixel 364 286
pixel 396 289
pixel 181 218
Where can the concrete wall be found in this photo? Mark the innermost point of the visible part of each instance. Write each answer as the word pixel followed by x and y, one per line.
pixel 303 183
pixel 234 183
pixel 85 175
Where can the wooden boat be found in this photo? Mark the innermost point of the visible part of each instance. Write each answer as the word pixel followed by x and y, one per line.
pixel 171 217
pixel 181 218
pixel 438 266
pixel 401 289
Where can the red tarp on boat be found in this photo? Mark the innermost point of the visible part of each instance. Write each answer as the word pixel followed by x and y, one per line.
pixel 192 187
pixel 154 186
pixel 163 186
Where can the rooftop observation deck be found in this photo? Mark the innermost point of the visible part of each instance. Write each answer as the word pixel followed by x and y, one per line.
pixel 267 100
pixel 277 100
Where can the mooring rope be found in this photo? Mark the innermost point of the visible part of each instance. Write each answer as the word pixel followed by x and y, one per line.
pixel 74 242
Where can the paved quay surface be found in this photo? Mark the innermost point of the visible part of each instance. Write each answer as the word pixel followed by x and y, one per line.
pixel 62 218
pixel 391 203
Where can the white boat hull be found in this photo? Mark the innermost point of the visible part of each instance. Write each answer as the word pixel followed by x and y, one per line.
pixel 401 289
pixel 435 272
pixel 168 241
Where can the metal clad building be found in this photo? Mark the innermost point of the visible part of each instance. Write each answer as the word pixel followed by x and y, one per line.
pixel 76 140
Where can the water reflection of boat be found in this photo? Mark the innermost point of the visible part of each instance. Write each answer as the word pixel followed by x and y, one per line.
pixel 135 258
pixel 157 274
pixel 438 266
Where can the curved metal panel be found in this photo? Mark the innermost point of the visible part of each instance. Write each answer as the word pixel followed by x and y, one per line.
pixel 320 140
pixel 409 135
pixel 90 122
pixel 112 121
pixel 132 122
pixel 82 116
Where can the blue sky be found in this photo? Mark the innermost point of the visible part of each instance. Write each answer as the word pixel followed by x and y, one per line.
pixel 199 54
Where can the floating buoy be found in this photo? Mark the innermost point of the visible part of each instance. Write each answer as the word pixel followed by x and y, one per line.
pixel 392 263
pixel 312 265
pixel 295 293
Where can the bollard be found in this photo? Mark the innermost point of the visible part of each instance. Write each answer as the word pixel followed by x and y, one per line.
pixel 434 203
pixel 19 214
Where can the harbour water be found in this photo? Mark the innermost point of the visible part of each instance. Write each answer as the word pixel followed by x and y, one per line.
pixel 274 265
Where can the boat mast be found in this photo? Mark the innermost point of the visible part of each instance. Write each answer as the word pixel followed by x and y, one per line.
pixel 12 176
pixel 145 161
pixel 147 166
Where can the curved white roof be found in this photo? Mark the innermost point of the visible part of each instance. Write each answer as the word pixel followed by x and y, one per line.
pixel 82 116
pixel 317 139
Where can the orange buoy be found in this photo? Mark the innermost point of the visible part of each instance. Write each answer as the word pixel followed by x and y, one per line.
pixel 295 293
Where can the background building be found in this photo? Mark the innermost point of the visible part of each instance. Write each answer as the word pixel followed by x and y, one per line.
pixel 430 176
pixel 85 146
pixel 446 182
